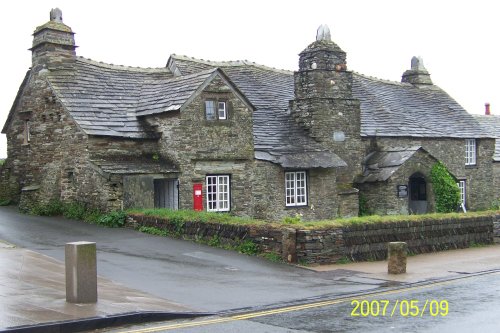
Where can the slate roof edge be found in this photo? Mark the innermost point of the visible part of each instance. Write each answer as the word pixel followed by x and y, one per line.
pixel 123 67
pixel 27 76
pixel 229 63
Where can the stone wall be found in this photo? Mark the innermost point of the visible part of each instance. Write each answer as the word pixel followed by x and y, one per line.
pixel 382 197
pixel 451 152
pixel 202 147
pixel 326 246
pixel 41 159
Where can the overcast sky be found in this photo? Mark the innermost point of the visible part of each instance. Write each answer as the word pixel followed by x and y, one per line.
pixel 458 40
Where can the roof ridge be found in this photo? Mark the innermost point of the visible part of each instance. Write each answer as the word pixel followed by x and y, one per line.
pixel 397 83
pixel 122 67
pixel 231 63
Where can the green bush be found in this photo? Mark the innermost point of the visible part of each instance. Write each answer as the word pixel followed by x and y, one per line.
pixel 446 191
pixel 248 247
pixel 153 231
pixel 74 211
pixel 114 219
pixel 5 202
pixel 52 208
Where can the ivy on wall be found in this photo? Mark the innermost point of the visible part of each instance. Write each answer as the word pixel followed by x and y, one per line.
pixel 446 191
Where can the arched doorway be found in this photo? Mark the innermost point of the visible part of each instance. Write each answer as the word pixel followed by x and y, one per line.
pixel 418 194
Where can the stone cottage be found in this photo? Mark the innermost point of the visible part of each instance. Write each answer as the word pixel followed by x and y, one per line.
pixel 491 124
pixel 236 136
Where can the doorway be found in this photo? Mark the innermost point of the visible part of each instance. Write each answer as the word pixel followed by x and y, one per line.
pixel 166 193
pixel 418 194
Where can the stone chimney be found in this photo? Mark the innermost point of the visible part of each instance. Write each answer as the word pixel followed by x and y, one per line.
pixel 324 105
pixel 53 43
pixel 417 75
pixel 487 109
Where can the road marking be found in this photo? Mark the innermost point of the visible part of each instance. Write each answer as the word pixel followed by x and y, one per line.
pixel 300 307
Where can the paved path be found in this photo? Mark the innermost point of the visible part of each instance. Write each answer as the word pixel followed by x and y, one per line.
pixel 32 291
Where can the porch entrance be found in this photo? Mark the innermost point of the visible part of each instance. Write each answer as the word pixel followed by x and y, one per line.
pixel 418 194
pixel 166 193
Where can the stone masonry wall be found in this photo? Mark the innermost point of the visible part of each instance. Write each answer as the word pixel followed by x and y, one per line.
pixel 327 246
pixel 40 161
pixel 382 198
pixel 451 152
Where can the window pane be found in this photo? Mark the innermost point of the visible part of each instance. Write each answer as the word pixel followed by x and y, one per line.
pixel 222 110
pixel 210 110
pixel 295 188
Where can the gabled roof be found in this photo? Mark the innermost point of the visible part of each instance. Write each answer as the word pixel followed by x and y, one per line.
pixel 277 137
pixel 381 165
pixel 491 124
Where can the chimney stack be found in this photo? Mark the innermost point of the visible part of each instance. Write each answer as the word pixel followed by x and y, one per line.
pixel 487 109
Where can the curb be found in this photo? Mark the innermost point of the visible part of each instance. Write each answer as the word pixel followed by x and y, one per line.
pixel 94 323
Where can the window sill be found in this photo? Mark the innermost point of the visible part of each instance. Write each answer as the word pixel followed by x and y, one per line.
pixel 471 166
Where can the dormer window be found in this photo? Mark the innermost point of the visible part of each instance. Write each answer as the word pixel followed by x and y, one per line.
pixel 215 110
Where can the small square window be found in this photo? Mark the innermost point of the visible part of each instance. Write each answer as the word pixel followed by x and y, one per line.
pixel 222 110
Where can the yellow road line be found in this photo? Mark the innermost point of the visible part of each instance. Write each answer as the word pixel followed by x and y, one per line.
pixel 295 307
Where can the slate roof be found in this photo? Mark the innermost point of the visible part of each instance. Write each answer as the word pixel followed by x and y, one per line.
pixel 396 109
pixel 103 98
pixel 491 124
pixel 381 165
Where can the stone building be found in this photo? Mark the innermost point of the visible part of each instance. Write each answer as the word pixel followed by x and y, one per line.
pixel 236 136
pixel 491 124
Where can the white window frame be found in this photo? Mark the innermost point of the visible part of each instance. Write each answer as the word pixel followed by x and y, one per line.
pixel 463 192
pixel 218 193
pixel 470 151
pixel 295 188
pixel 222 110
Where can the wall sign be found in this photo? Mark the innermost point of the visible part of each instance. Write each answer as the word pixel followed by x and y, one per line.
pixel 402 191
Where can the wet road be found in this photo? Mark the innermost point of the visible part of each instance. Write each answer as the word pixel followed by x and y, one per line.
pixel 470 304
pixel 194 275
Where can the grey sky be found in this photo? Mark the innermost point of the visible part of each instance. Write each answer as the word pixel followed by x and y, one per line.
pixel 455 38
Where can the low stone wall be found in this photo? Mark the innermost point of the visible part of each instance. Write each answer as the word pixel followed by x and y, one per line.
pixel 326 246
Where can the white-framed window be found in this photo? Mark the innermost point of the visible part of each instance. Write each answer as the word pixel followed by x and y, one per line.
pixel 210 110
pixel 296 188
pixel 461 186
pixel 470 151
pixel 215 110
pixel 218 193
pixel 222 110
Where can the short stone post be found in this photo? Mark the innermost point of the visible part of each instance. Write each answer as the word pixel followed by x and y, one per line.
pixel 289 245
pixel 81 272
pixel 397 257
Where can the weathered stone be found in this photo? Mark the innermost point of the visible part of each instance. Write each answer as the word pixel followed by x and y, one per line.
pixel 397 252
pixel 81 272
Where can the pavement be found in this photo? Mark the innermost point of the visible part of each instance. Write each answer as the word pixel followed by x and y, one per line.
pixel 32 292
pixel 32 286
